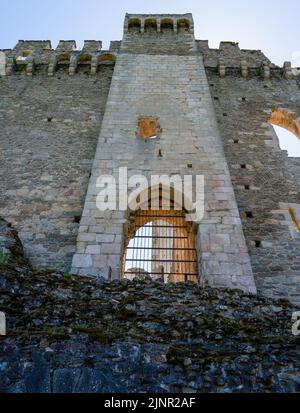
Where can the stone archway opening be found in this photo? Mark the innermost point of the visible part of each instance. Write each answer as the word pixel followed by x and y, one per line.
pixel 160 244
pixel 286 120
pixel 183 25
pixel 167 26
pixel 134 26
pixel 151 26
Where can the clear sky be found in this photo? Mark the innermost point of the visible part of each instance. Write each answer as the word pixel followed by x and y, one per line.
pixel 288 141
pixel 272 26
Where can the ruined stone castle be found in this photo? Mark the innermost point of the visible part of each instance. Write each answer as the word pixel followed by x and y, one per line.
pixel 68 116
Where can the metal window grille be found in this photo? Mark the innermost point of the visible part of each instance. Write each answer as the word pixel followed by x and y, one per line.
pixel 161 244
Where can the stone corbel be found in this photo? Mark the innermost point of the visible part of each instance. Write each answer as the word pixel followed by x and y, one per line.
pixel 287 71
pixel 175 27
pixel 94 65
pixel 2 64
pixel 52 66
pixel 222 69
pixel 73 65
pixel 266 71
pixel 10 65
pixel 158 26
pixel 30 66
pixel 244 69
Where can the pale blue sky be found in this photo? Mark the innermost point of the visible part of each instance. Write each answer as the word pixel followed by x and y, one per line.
pixel 288 141
pixel 272 26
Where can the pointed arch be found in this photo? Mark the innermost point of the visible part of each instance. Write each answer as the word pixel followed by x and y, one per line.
pixel 155 195
pixel 160 242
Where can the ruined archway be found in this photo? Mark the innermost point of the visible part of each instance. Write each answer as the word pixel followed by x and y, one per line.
pixel 285 119
pixel 286 126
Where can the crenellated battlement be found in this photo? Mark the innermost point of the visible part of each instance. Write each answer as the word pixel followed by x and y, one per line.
pixel 158 23
pixel 33 45
pixel 153 34
pixel 162 34
pixel 29 55
pixel 230 59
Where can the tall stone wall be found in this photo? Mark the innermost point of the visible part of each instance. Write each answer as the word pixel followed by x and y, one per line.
pixel 174 88
pixel 266 181
pixel 51 107
pixel 49 131
pixel 292 170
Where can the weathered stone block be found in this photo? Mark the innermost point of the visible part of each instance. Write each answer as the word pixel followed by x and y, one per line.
pixel 82 261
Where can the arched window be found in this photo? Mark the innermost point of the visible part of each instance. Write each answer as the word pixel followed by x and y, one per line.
pixel 161 244
pixel 287 128
pixel 150 25
pixel 183 25
pixel 167 25
pixel 134 26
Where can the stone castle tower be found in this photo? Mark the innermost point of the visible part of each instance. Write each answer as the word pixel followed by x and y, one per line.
pixel 69 116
